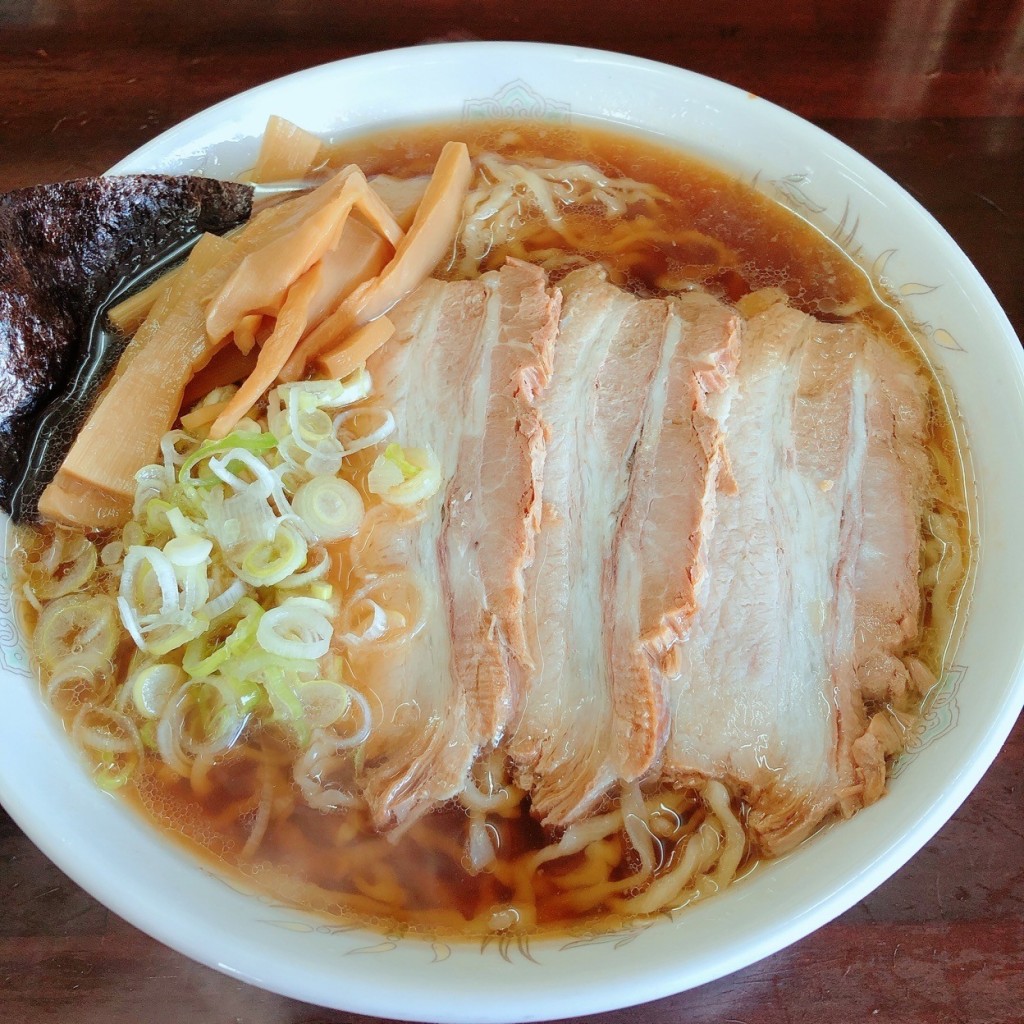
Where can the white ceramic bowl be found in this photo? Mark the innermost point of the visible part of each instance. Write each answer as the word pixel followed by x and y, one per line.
pixel 114 854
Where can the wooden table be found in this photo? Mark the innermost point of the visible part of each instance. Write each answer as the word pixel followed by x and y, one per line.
pixel 930 90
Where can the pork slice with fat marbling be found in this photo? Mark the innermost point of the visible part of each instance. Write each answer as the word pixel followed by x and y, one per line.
pixel 678 466
pixel 630 431
pixel 460 376
pixel 493 506
pixel 887 595
pixel 769 695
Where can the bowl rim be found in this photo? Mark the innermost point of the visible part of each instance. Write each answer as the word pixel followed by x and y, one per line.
pixel 649 980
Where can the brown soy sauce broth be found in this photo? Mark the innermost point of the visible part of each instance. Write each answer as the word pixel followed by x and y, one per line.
pixel 334 863
pixel 772 246
pixel 337 865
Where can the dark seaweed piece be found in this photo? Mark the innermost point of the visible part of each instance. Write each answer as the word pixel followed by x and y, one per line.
pixel 63 249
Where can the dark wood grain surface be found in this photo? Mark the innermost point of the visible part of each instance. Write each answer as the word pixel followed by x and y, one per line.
pixel 930 90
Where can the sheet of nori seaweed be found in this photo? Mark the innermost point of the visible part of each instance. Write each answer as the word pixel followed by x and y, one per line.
pixel 63 247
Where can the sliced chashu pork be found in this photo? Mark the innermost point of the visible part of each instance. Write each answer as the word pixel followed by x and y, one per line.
pixel 460 376
pixel 811 597
pixel 632 459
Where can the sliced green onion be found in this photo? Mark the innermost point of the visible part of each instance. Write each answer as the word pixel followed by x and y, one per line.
pixel 133 535
pixel 170 638
pixel 185 552
pixel 395 455
pixel 112 742
pixel 268 562
pixel 147 733
pixel 76 563
pixel 156 512
pixel 311 573
pixel 81 679
pixel 74 624
pixel 210 651
pixel 331 507
pixel 182 526
pixel 211 713
pixel 288 709
pixel 323 701
pixel 112 553
pixel 314 425
pixel 328 394
pixel 298 628
pixel 153 687
pixel 405 476
pixel 255 443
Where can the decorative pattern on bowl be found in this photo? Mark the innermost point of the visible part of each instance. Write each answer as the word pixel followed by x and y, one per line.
pixel 13 647
pixel 517 100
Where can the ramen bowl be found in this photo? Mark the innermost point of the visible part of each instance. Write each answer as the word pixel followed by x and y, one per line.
pixel 109 849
